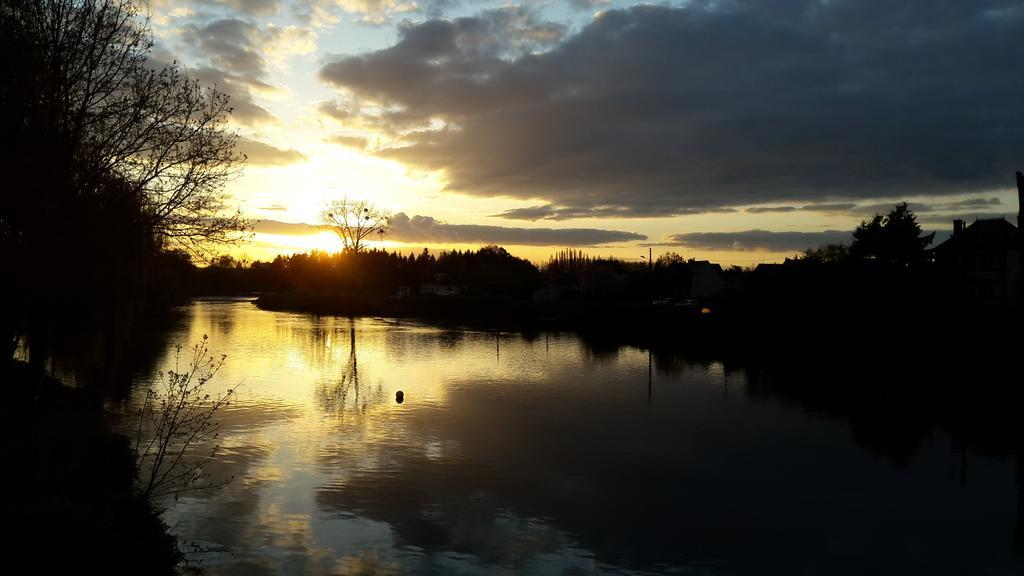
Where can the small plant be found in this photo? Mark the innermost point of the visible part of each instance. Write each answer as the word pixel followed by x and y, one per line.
pixel 176 430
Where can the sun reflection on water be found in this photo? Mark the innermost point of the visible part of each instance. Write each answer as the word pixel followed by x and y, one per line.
pixel 519 454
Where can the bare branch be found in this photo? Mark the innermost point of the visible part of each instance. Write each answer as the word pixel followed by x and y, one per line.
pixel 354 221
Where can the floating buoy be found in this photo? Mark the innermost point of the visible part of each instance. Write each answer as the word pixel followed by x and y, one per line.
pixel 399 396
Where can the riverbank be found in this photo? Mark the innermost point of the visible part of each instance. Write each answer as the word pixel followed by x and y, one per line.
pixel 68 486
pixel 625 320
pixel 880 327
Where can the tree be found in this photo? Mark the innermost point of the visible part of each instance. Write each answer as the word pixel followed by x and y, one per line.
pixel 175 429
pixel 827 254
pixel 354 221
pixel 894 239
pixel 92 116
pixel 108 156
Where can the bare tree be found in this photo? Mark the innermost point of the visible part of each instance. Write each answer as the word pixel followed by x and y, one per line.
pixel 175 429
pixel 112 120
pixel 354 221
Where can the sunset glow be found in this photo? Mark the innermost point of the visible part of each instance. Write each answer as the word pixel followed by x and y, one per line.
pixel 334 99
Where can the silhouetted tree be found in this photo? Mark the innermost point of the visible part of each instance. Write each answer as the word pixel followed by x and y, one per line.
pixel 354 221
pixel 894 239
pixel 567 261
pixel 669 258
pixel 105 118
pixel 109 156
pixel 827 254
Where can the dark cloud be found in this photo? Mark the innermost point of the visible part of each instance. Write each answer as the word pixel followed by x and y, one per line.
pixel 750 240
pixel 945 221
pixel 920 208
pixel 244 109
pixel 550 212
pixel 231 45
pixel 970 203
pixel 428 230
pixel 288 228
pixel 659 110
pixel 248 7
pixel 829 207
pixel 236 52
pixel 588 4
pixel 337 110
pixel 357 142
pixel 263 154
pixel 764 209
pixel 441 59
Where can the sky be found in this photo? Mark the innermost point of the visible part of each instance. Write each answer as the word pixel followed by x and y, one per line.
pixel 740 131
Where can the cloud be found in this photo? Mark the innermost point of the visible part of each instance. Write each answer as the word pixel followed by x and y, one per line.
pixel 242 49
pixel 758 240
pixel 285 228
pixel 920 208
pixel 829 207
pixel 657 110
pixel 248 7
pixel 337 111
pixel 969 203
pixel 822 207
pixel 764 209
pixel 263 154
pixel 428 230
pixel 326 12
pixel 588 4
pixel 550 212
pixel 238 56
pixel 945 221
pixel 442 58
pixel 232 45
pixel 357 142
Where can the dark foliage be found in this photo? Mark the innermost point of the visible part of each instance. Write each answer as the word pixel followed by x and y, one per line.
pixel 70 493
pixel 108 160
pixel 894 239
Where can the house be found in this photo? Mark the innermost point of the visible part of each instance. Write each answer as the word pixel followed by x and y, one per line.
pixel 981 261
pixel 441 286
pixel 705 279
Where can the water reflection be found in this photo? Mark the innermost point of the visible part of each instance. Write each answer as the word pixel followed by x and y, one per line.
pixel 345 394
pixel 549 455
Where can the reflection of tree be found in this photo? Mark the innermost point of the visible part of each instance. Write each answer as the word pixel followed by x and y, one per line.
pixel 345 394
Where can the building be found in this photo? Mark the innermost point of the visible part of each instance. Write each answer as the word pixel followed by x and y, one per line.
pixel 706 279
pixel 441 286
pixel 982 261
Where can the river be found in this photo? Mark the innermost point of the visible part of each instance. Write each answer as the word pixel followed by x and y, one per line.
pixel 545 455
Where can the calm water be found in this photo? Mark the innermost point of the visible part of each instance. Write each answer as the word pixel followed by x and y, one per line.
pixel 512 455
